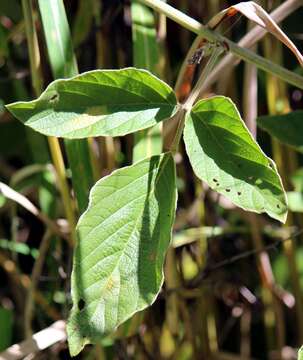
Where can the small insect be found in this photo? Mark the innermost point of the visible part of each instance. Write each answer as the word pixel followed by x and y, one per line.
pixel 205 50
pixel 197 56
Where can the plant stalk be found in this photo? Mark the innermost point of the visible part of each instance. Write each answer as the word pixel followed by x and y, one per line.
pixel 251 38
pixel 194 95
pixel 212 36
pixel 277 91
pixel 54 145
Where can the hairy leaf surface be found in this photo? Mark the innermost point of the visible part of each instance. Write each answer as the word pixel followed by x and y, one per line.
pixel 288 128
pixel 99 103
pixel 123 238
pixel 223 153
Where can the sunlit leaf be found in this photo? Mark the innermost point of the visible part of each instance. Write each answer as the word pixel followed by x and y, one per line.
pixel 223 154
pixel 100 102
pixel 123 237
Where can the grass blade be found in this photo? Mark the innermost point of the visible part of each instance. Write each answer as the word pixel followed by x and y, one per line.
pixel 145 55
pixel 63 64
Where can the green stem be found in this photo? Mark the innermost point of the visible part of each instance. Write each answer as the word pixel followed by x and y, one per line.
pixel 54 145
pixel 180 118
pixel 206 71
pixel 63 186
pixel 33 47
pixel 244 54
pixel 63 64
pixel 146 54
pixel 193 97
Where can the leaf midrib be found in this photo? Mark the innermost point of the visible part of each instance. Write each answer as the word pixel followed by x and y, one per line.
pixel 254 187
pixel 164 161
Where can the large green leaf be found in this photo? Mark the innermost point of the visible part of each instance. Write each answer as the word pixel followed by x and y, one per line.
pixel 99 103
pixel 123 238
pixel 287 128
pixel 223 154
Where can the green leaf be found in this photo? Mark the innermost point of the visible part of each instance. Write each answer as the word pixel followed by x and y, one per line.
pixel 300 353
pixel 58 38
pixel 6 327
pixel 224 154
pixel 287 128
pixel 83 21
pixel 144 36
pixel 2 200
pixel 123 237
pixel 99 103
pixel 295 201
pixel 297 180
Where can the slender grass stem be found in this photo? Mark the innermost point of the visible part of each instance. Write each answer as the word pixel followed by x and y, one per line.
pixel 206 71
pixel 212 36
pixel 146 54
pixel 250 39
pixel 36 272
pixel 33 47
pixel 54 146
pixel 63 186
pixel 180 117
pixel 63 64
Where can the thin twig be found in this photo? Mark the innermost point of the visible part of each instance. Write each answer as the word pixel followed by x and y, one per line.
pixel 212 36
pixel 11 194
pixel 36 272
pixel 39 341
pixel 250 39
pixel 22 281
pixel 249 253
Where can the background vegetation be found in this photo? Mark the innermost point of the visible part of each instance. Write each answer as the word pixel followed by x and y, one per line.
pixel 233 280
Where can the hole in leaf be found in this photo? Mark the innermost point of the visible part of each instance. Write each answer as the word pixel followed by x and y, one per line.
pixel 81 304
pixel 278 206
pixel 239 193
pixel 215 180
pixel 227 190
pixel 54 97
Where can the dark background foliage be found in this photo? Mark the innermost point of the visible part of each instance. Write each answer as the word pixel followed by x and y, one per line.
pixel 233 297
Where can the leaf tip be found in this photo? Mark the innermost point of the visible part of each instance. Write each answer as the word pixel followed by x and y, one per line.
pixel 76 341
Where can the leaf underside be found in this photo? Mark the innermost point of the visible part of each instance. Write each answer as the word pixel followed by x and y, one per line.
pixel 99 103
pixel 123 237
pixel 223 153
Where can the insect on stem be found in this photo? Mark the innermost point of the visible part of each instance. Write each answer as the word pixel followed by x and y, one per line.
pixel 206 50
pixel 214 50
pixel 197 56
